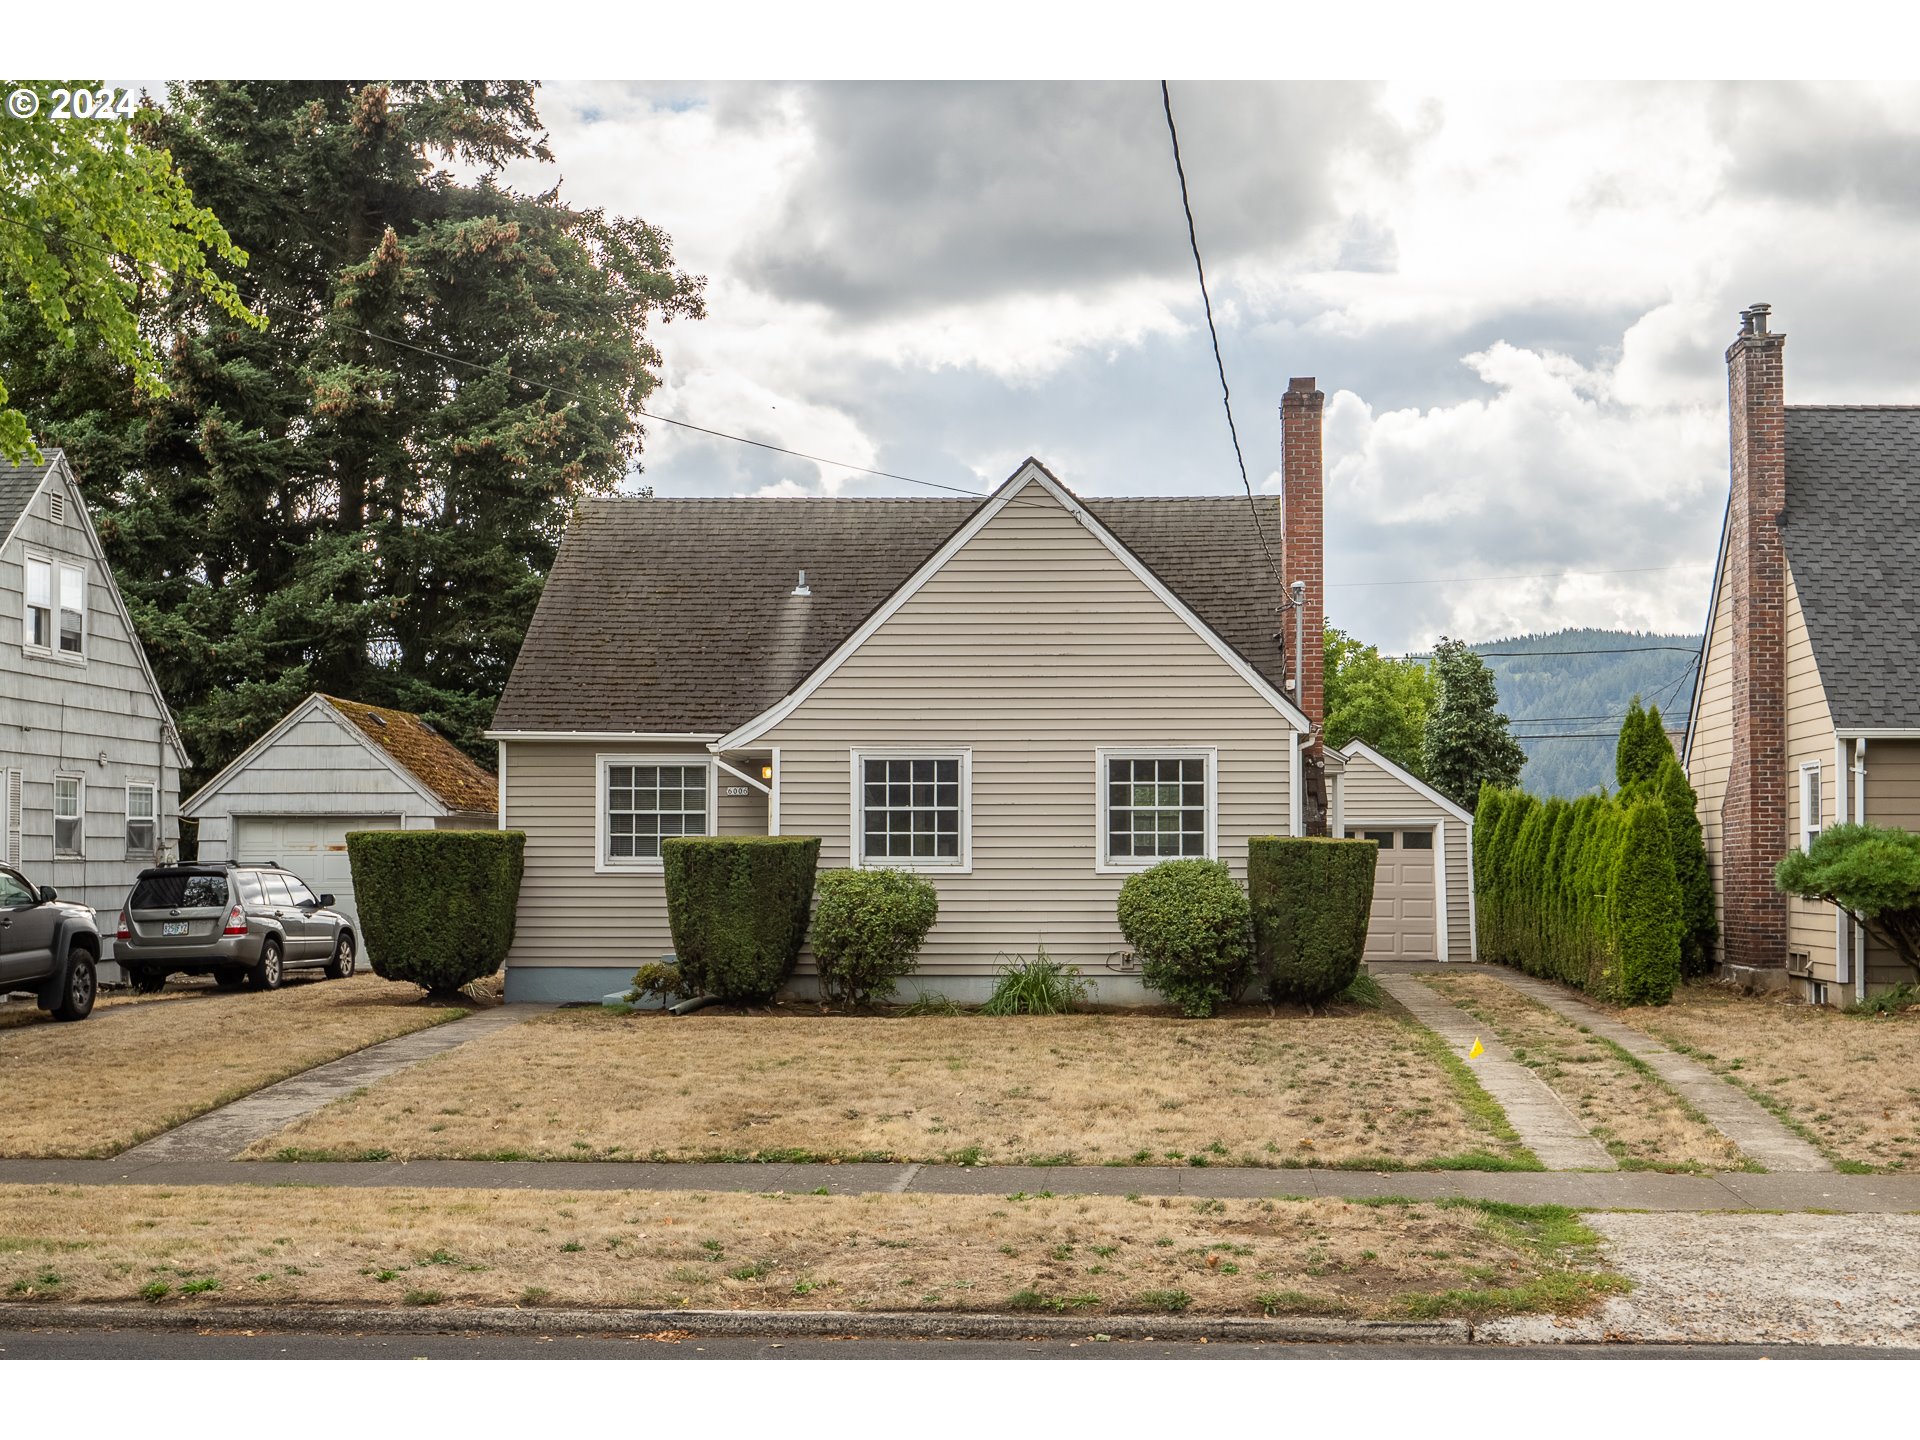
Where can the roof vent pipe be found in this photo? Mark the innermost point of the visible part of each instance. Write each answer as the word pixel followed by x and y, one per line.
pixel 800 585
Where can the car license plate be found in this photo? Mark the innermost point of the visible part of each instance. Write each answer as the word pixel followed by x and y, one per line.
pixel 173 927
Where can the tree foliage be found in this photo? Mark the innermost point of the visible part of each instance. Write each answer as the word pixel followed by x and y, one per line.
pixel 1870 871
pixel 1583 892
pixel 94 226
pixel 1466 744
pixel 1380 701
pixel 1643 746
pixel 1312 899
pixel 324 505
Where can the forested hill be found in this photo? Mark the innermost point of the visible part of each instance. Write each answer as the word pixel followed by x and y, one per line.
pixel 1550 693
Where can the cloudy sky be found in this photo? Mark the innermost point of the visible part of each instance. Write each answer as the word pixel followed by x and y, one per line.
pixel 1517 302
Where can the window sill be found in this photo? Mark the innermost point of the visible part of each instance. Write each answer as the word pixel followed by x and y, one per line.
pixel 1118 867
pixel 40 652
pixel 929 867
pixel 629 867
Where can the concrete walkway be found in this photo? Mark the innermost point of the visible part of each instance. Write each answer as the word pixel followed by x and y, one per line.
pixel 1759 1135
pixel 1544 1123
pixel 1622 1190
pixel 221 1134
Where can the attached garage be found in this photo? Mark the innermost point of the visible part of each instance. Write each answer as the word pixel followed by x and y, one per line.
pixel 1423 888
pixel 329 767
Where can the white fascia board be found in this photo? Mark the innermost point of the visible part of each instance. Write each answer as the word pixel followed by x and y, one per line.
pixel 1706 641
pixel 1418 786
pixel 1032 472
pixel 1881 733
pixel 673 737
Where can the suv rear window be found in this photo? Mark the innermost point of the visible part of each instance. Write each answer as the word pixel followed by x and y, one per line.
pixel 179 892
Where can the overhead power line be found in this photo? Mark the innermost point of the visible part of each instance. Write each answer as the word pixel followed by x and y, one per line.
pixel 1543 575
pixel 1226 395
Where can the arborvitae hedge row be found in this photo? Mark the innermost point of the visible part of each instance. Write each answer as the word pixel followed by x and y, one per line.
pixel 1584 893
pixel 437 907
pixel 737 906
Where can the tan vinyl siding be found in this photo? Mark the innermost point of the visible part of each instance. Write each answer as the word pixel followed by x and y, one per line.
pixel 1809 741
pixel 1034 646
pixel 1371 797
pixel 1711 755
pixel 1893 798
pixel 571 915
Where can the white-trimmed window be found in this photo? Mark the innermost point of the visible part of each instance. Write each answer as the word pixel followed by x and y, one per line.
pixel 69 804
pixel 56 618
pixel 140 819
pixel 643 799
pixel 913 808
pixel 1810 816
pixel 1155 805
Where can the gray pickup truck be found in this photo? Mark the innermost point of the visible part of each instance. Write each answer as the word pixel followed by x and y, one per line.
pixel 48 946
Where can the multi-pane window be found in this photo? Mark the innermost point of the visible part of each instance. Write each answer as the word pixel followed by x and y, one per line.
pixel 648 802
pixel 911 809
pixel 66 815
pixel 140 834
pixel 1810 816
pixel 61 626
pixel 1156 808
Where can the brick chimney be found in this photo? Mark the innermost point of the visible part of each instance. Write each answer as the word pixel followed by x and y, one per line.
pixel 1302 521
pixel 1754 812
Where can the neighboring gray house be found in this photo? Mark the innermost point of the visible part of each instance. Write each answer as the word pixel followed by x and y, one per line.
pixel 329 767
pixel 89 760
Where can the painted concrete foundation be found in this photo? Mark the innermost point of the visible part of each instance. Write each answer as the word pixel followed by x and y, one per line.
pixel 591 984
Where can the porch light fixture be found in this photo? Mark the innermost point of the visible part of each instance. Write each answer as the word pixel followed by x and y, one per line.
pixel 766 772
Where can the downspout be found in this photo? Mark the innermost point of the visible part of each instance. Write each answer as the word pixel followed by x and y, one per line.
pixel 1860 818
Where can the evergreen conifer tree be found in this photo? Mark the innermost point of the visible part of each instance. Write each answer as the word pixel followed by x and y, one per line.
pixel 1466 743
pixel 1699 930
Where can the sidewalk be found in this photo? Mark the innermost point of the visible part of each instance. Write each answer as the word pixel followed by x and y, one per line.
pixel 1604 1190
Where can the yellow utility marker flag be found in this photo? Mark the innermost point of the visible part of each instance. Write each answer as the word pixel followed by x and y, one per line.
pixel 1478 1049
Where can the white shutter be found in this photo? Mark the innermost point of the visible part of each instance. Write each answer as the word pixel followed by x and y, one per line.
pixel 13 782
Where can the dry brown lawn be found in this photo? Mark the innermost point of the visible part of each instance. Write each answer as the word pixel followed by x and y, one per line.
pixel 799 1252
pixel 1631 1111
pixel 1346 1088
pixel 15 1013
pixel 100 1085
pixel 1850 1083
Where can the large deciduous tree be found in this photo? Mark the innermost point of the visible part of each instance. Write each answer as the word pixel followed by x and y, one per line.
pixel 93 226
pixel 365 497
pixel 1381 701
pixel 1466 744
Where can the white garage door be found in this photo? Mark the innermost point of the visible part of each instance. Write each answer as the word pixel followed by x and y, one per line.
pixel 314 847
pixel 1402 927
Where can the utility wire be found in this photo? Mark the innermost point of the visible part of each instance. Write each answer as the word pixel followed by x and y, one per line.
pixel 1544 575
pixel 1226 395
pixel 1531 654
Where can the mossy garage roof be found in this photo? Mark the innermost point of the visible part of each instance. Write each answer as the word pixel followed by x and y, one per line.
pixel 432 759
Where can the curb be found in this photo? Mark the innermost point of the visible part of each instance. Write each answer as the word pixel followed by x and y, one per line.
pixel 503 1320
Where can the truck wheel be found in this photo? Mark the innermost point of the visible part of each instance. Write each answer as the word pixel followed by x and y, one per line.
pixel 76 997
pixel 147 982
pixel 266 975
pixel 341 966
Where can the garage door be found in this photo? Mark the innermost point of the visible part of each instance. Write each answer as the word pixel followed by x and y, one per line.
pixel 314 847
pixel 1403 898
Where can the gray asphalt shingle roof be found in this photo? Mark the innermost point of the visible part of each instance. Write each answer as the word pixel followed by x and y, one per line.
pixel 17 484
pixel 677 615
pixel 1853 540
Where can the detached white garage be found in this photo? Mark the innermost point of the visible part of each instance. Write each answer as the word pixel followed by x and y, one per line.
pixel 333 766
pixel 1423 888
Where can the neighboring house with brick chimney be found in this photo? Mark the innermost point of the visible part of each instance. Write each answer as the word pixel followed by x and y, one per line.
pixel 1807 710
pixel 1025 698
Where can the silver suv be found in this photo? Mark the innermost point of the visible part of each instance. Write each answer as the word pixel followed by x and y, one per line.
pixel 242 923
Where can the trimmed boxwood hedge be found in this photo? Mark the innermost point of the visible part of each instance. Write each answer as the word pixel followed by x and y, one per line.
pixel 436 906
pixel 737 906
pixel 1312 898
pixel 867 930
pixel 1188 922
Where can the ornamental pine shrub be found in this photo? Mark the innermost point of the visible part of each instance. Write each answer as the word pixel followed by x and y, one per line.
pixel 737 906
pixel 1579 892
pixel 867 930
pixel 437 907
pixel 1192 928
pixel 1311 902
pixel 1870 871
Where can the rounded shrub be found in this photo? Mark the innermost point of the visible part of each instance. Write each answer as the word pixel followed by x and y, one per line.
pixel 737 906
pixel 436 907
pixel 1191 926
pixel 1311 899
pixel 867 930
